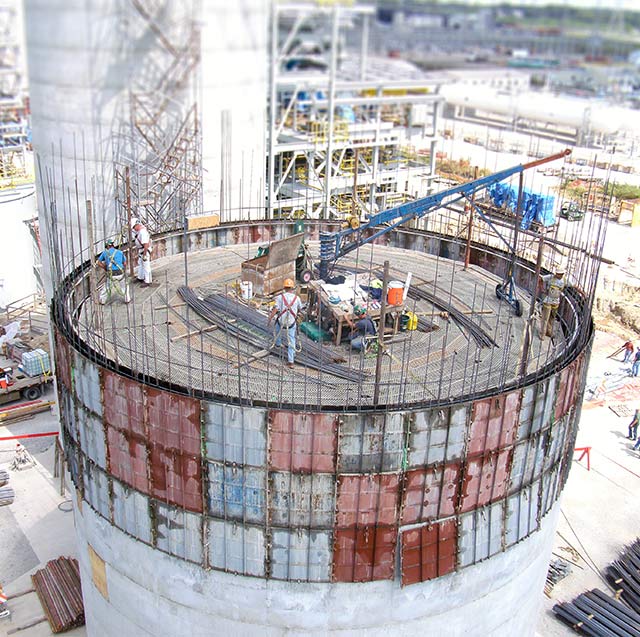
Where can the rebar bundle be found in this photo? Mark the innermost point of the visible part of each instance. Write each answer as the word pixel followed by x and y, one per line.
pixel 251 327
pixel 624 575
pixel 60 593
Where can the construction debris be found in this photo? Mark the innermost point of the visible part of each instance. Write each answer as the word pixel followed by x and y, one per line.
pixel 624 575
pixel 558 570
pixel 60 593
pixel 599 615
pixel 4 477
pixel 7 495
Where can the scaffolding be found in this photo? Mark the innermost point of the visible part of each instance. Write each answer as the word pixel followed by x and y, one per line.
pixel 158 170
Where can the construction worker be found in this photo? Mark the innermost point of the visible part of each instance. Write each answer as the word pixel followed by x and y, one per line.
pixel 554 285
pixel 628 351
pixel 286 309
pixel 362 328
pixel 142 241
pixel 633 425
pixel 113 262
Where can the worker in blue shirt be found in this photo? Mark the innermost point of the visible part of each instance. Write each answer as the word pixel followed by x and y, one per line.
pixel 114 263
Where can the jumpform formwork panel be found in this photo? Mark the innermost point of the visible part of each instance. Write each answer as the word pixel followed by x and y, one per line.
pixel 282 508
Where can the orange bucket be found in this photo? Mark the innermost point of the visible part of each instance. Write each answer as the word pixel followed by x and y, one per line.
pixel 395 292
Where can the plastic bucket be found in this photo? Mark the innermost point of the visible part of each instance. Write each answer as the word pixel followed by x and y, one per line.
pixel 395 292
pixel 246 289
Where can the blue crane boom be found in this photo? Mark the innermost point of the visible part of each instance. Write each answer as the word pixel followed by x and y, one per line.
pixel 334 245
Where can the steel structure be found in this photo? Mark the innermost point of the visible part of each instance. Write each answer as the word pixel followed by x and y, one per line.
pixel 218 489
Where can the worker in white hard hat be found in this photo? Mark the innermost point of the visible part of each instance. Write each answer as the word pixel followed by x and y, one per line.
pixel 142 241
pixel 554 285
pixel 286 309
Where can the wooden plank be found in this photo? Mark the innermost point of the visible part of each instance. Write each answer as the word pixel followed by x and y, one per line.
pixel 193 333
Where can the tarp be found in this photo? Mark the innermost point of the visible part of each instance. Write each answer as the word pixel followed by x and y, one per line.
pixel 535 207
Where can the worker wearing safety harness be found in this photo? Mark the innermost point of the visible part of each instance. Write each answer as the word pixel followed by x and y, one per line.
pixel 113 262
pixel 554 286
pixel 286 310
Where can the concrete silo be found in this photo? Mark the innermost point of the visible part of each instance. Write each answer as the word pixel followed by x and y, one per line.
pixel 219 491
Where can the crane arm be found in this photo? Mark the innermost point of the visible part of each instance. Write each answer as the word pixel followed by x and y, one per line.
pixel 334 245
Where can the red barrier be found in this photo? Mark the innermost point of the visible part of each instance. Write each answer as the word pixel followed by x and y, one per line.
pixel 46 433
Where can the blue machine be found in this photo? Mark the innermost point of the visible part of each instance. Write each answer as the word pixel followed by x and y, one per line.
pixel 334 245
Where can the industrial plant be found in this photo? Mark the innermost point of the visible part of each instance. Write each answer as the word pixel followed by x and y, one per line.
pixel 229 195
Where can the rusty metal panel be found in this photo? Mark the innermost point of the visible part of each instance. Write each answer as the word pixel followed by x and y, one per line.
pixel 174 421
pixel 437 435
pixel 540 445
pixel 550 489
pixel 92 437
pixel 237 493
pixel 128 459
pixel 96 489
pixel 235 434
pixel 493 423
pixel 87 383
pixel 302 499
pixel 131 511
pixel 568 389
pixel 302 441
pixel 522 514
pixel 367 500
pixel 178 532
pixel 301 555
pixel 371 443
pixel 63 360
pixel 485 479
pixel 176 478
pixel 236 548
pixel 428 551
pixel 430 493
pixel 481 533
pixel 364 554
pixel 123 403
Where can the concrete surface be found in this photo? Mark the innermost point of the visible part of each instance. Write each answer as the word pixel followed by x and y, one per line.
pixel 598 516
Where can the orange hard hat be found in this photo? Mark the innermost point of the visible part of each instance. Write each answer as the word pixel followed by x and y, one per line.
pixel 288 283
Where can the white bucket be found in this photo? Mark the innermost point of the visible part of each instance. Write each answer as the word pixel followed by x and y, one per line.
pixel 246 289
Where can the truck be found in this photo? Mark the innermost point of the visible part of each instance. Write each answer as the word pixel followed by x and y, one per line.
pixel 23 386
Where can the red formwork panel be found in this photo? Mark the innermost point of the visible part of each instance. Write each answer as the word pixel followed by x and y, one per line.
pixel 494 423
pixel 485 479
pixel 567 390
pixel 367 500
pixel 174 421
pixel 429 551
pixel 176 478
pixel 123 403
pixel 304 442
pixel 128 459
pixel 63 360
pixel 430 493
pixel 364 554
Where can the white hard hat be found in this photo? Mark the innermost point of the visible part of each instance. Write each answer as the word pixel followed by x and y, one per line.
pixel 134 222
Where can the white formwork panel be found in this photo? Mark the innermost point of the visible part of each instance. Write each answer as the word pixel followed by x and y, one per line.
pixel 179 532
pixel 299 500
pixel 92 440
pixel 131 511
pixel 522 514
pixel 527 407
pixel 550 484
pixel 235 434
pixel 86 381
pixel 480 534
pixel 237 548
pixel 370 443
pixel 236 493
pixel 301 554
pixel 556 443
pixel 437 435
pixel 96 489
pixel 544 404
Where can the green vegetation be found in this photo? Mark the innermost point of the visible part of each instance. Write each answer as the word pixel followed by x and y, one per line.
pixel 623 191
